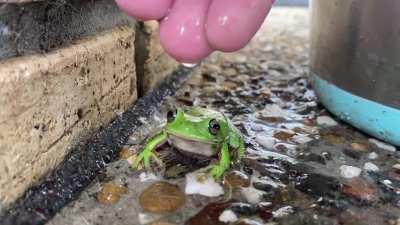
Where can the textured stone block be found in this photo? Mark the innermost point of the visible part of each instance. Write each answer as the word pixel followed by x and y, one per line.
pixel 50 102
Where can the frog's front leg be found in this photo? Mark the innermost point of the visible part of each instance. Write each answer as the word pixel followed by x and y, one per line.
pixel 224 163
pixel 147 153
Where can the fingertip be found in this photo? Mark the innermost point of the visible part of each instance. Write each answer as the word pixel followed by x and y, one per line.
pixel 145 9
pixel 232 24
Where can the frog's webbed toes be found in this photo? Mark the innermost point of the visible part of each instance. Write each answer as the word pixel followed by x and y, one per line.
pixel 217 172
pixel 145 157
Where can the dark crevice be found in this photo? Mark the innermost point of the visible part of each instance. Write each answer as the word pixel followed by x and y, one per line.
pixel 141 55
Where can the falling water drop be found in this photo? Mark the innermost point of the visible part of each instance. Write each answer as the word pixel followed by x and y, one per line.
pixel 189 65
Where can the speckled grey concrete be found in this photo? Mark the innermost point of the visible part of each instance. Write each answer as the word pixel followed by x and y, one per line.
pixel 318 163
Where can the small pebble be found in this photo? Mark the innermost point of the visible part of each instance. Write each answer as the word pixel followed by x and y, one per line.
pixel 283 136
pixel 111 193
pixel 359 146
pixel 161 223
pixel 265 205
pixel 301 139
pixel 282 212
pixel 243 209
pixel 382 145
pixel 236 179
pixel 360 189
pixel 265 140
pixel 371 167
pixel 162 197
pixel 387 182
pixel 349 171
pixel 125 153
pixel 249 222
pixel 202 184
pixel 326 121
pixel 252 195
pixel 334 138
pixel 372 155
pixel 396 167
pixel 209 215
pixel 228 216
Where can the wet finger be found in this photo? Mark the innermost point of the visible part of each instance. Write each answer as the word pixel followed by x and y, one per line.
pixel 182 32
pixel 145 9
pixel 232 24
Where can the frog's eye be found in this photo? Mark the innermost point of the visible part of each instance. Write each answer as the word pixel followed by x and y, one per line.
pixel 171 115
pixel 213 127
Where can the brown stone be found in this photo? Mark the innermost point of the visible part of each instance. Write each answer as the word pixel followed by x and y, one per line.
pixel 334 139
pixel 162 197
pixel 111 193
pixel 359 146
pixel 126 153
pixel 236 179
pixel 283 136
pixel 162 223
pixel 209 215
pixel 53 101
pixel 359 189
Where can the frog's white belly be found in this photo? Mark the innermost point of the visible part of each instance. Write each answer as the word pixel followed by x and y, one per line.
pixel 193 147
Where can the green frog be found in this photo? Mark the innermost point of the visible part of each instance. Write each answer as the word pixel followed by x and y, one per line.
pixel 198 132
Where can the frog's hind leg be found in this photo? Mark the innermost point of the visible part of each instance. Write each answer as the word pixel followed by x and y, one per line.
pixel 224 162
pixel 147 153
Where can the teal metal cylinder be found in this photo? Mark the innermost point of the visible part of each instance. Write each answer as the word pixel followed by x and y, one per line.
pixel 355 63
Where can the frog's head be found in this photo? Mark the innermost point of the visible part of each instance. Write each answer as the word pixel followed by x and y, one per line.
pixel 197 124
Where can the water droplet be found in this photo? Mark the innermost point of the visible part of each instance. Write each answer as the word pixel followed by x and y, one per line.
pixel 189 65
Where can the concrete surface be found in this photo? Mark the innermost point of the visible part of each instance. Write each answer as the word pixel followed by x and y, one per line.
pixel 305 165
pixel 50 102
pixel 285 28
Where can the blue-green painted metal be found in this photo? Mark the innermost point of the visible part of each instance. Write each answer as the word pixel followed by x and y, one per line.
pixel 376 119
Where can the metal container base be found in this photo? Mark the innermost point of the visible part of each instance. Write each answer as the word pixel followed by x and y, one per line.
pixel 380 121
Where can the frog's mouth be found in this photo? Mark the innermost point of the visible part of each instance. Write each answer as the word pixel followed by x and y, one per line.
pixel 194 147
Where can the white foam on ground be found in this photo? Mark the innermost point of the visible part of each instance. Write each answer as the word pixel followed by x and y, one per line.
pixel 228 216
pixel 202 184
pixel 349 171
pixel 382 145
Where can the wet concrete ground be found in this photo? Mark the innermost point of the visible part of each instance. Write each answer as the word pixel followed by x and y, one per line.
pixel 302 165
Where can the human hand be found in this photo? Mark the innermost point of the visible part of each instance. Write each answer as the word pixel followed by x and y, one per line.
pixel 190 30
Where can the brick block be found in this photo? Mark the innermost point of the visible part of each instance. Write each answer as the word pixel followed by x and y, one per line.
pixel 51 102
